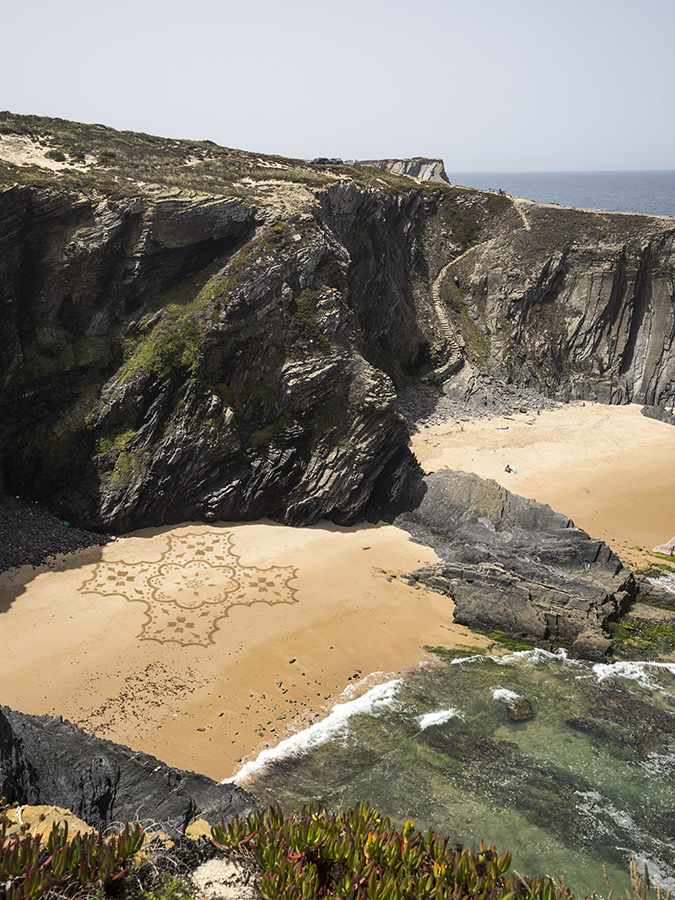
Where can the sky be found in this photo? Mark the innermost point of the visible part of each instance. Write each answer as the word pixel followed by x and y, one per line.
pixel 524 85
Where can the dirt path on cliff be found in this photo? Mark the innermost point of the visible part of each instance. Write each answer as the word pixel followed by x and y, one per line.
pixel 608 468
pixel 204 644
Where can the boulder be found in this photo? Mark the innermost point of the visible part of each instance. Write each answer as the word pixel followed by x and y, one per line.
pixel 519 709
pixel 660 413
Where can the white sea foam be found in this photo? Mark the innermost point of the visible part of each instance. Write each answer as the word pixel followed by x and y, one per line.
pixel 536 655
pixel 633 671
pixel 504 694
pixel 382 695
pixel 667 582
pixel 659 764
pixel 659 871
pixel 598 808
pixel 438 718
pixel 665 548
pixel 478 657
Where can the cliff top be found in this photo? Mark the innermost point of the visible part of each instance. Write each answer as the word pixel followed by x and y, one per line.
pixel 40 151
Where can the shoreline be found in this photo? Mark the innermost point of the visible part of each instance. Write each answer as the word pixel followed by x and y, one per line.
pixel 206 644
pixel 608 468
pixel 275 637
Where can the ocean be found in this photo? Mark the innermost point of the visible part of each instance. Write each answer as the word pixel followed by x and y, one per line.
pixel 585 784
pixel 650 192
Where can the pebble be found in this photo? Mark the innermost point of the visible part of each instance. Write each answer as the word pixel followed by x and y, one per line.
pixel 425 406
pixel 31 535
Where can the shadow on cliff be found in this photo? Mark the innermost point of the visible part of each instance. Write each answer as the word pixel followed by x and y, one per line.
pixel 15 581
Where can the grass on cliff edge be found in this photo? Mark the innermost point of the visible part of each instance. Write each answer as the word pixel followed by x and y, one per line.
pixel 127 163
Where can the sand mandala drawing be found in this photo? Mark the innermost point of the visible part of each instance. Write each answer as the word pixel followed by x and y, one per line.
pixel 194 583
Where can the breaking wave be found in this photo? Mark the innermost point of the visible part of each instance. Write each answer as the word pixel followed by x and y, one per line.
pixel 437 718
pixel 382 695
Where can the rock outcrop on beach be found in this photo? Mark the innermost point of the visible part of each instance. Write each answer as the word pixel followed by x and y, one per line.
pixel 191 332
pixel 516 565
pixel 45 760
pixel 661 413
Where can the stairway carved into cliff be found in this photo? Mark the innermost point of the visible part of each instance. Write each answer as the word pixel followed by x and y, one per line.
pixel 451 342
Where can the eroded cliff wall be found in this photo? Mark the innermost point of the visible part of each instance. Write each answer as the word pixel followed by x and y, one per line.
pixel 577 303
pixel 227 340
pixel 163 361
pixel 416 167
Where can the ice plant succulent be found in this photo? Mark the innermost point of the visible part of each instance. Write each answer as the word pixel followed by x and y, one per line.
pixel 29 866
pixel 359 854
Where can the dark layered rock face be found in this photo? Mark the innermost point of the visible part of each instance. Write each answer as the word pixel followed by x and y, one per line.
pixel 45 760
pixel 516 565
pixel 577 303
pixel 174 355
pixel 254 385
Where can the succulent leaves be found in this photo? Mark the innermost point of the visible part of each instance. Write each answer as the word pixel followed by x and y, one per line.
pixel 358 854
pixel 29 866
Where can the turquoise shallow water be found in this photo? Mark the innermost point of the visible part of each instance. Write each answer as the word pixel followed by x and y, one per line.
pixel 650 192
pixel 587 782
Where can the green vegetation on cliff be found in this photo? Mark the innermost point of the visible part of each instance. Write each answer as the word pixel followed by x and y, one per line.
pixel 359 854
pixel 172 339
pixel 127 164
pixel 305 855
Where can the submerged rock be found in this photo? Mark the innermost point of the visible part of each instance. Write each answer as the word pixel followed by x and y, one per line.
pixel 589 726
pixel 519 709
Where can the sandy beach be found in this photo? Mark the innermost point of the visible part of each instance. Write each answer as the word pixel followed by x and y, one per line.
pixel 204 644
pixel 609 468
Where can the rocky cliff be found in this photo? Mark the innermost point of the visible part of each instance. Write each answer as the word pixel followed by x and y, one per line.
pixel 191 332
pixel 577 303
pixel 46 760
pixel 418 167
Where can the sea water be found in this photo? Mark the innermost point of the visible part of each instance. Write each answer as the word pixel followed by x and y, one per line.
pixel 587 782
pixel 650 192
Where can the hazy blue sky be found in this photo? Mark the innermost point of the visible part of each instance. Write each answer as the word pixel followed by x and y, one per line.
pixel 519 85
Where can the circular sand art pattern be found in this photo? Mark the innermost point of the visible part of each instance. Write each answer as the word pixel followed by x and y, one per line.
pixel 194 583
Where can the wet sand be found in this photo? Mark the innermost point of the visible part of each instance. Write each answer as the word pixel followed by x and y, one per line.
pixel 204 644
pixel 609 468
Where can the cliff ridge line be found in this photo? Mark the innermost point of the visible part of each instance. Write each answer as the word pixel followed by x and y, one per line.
pixel 193 332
